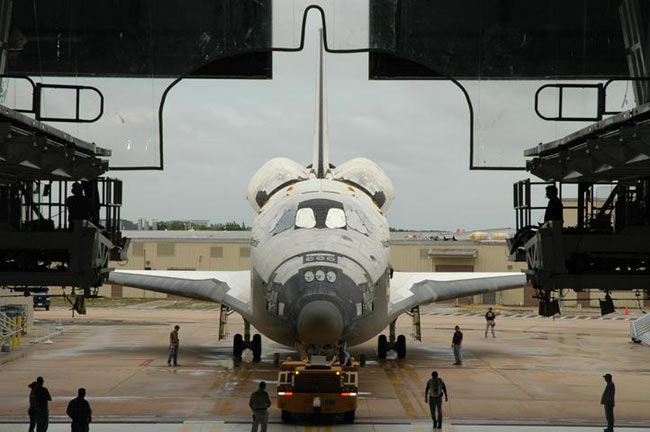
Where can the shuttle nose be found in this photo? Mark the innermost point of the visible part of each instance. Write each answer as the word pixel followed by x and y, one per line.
pixel 320 321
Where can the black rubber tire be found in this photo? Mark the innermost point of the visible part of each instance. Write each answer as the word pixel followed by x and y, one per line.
pixel 257 347
pixel 276 359
pixel 47 308
pixel 400 346
pixel 382 346
pixel 348 417
pixel 362 360
pixel 286 416
pixel 237 346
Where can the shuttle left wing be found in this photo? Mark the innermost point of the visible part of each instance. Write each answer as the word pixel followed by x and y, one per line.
pixel 408 290
pixel 231 288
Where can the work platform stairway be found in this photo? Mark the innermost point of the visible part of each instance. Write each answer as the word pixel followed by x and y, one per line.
pixel 606 248
pixel 41 243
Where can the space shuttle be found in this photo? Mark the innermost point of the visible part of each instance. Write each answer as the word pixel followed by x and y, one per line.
pixel 320 247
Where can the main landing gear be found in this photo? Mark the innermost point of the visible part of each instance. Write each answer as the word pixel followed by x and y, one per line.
pixel 391 343
pixel 241 343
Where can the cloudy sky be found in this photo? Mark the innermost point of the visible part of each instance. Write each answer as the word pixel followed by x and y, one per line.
pixel 219 132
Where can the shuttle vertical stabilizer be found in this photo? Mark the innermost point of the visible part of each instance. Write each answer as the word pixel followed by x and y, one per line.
pixel 321 158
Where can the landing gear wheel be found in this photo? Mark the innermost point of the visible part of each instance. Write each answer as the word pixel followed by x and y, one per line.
pixel 276 359
pixel 400 346
pixel 382 346
pixel 237 346
pixel 286 416
pixel 348 417
pixel 257 347
pixel 362 360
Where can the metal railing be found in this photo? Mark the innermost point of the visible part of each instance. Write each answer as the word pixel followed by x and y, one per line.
pixel 588 207
pixel 10 331
pixel 46 201
pixel 640 329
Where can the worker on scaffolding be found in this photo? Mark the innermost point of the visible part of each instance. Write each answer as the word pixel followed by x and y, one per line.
pixel 554 209
pixel 78 205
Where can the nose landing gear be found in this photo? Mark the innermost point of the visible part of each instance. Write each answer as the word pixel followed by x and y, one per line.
pixel 241 343
pixel 398 344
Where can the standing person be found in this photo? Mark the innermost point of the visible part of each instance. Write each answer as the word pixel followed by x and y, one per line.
pixel 489 321
pixel 554 208
pixel 30 411
pixel 80 413
pixel 433 395
pixel 77 204
pixel 174 341
pixel 457 346
pixel 41 411
pixel 608 401
pixel 260 403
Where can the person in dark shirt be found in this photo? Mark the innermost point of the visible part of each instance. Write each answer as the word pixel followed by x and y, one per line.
pixel 30 411
pixel 174 342
pixel 554 209
pixel 433 395
pixel 78 205
pixel 607 400
pixel 457 346
pixel 41 399
pixel 342 355
pixel 489 321
pixel 80 413
pixel 259 403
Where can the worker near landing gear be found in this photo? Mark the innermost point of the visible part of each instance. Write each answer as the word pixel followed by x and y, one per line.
pixel 433 395
pixel 608 401
pixel 457 346
pixel 174 342
pixel 260 403
pixel 489 321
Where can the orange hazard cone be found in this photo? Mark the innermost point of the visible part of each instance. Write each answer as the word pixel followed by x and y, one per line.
pixel 627 310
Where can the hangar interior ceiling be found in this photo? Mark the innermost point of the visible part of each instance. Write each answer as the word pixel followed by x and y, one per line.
pixel 499 51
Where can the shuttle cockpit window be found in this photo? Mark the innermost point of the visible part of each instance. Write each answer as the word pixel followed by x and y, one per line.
pixel 320 213
pixel 335 218
pixel 305 218
pixel 357 222
pixel 284 222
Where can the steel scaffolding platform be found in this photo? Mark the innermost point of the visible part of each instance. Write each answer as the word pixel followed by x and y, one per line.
pixel 615 148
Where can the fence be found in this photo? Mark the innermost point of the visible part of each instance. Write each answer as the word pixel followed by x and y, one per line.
pixel 11 327
pixel 640 329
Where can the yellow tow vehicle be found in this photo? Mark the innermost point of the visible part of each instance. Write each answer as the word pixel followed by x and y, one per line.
pixel 318 387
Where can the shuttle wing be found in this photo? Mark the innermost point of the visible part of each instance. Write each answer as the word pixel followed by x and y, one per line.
pixel 231 288
pixel 408 290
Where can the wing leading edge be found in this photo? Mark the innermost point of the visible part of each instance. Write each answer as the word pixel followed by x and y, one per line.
pixel 408 290
pixel 231 288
